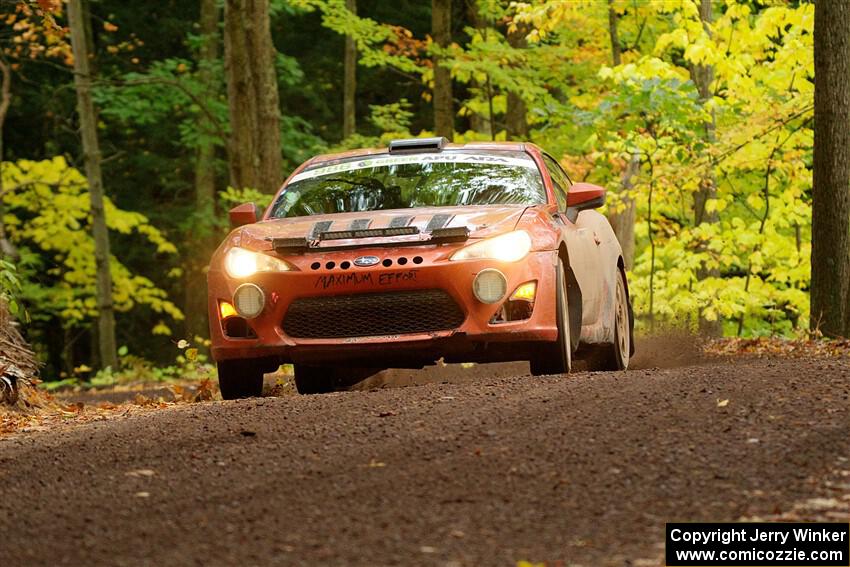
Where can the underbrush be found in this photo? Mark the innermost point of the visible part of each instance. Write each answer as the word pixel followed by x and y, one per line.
pixel 190 366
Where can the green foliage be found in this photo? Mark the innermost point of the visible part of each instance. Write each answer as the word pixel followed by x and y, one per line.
pixel 370 36
pixel 189 365
pixel 231 197
pixel 750 268
pixel 168 90
pixel 393 118
pixel 10 286
pixel 47 217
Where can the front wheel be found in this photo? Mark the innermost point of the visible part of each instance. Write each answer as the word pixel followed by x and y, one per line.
pixel 240 379
pixel 557 358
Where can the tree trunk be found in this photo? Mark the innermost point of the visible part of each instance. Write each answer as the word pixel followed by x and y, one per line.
pixel 349 114
pixel 91 150
pixel 195 304
pixel 441 31
pixel 7 249
pixel 623 221
pixel 703 76
pixel 516 120
pixel 478 122
pixel 831 177
pixel 249 60
pixel 208 54
pixel 613 35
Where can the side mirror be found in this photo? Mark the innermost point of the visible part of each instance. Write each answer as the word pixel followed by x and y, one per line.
pixel 583 196
pixel 246 213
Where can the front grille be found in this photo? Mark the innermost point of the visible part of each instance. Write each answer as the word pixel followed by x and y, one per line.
pixel 372 314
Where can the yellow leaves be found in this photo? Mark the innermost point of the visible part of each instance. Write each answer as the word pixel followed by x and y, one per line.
pixel 54 200
pixel 716 205
pixel 703 53
pixel 161 329
pixel 736 11
pixel 644 69
pixel 677 38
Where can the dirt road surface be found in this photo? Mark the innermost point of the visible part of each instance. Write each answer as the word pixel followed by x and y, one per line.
pixel 496 468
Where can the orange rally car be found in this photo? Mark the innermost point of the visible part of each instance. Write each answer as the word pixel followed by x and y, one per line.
pixel 426 250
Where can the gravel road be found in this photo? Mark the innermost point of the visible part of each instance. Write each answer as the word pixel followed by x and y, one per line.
pixel 489 470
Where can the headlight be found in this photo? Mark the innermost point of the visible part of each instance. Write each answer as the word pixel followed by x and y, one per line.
pixel 509 247
pixel 240 263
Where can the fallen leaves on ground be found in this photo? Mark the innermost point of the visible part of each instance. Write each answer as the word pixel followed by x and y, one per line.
pixel 44 411
pixel 45 419
pixel 778 347
pixel 39 410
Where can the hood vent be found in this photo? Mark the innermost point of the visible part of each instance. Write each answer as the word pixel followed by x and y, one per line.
pixel 360 224
pixel 438 221
pixel 400 221
pixel 319 228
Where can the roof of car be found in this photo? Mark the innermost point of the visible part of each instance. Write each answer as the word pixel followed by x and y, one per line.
pixel 483 146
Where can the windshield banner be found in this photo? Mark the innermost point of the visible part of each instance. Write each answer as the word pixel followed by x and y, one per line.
pixel 384 161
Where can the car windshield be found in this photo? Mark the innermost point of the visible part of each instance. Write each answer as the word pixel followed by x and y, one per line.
pixel 407 181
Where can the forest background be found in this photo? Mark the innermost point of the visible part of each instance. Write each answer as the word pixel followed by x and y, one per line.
pixel 697 116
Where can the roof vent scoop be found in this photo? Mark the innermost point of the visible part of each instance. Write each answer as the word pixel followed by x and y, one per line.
pixel 417 145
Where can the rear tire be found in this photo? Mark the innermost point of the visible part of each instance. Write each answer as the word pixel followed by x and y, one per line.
pixel 240 378
pixel 616 356
pixel 557 357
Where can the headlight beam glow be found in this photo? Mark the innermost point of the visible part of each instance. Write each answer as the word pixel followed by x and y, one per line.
pixel 241 263
pixel 509 247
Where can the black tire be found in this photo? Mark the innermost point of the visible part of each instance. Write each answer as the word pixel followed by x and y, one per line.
pixel 557 357
pixel 325 379
pixel 616 356
pixel 314 379
pixel 240 379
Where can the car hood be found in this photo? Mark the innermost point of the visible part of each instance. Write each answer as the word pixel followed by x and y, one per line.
pixel 481 220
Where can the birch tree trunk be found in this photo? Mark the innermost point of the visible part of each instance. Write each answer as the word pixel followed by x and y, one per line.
pixel 349 113
pixel 441 31
pixel 249 60
pixel 831 182
pixel 91 150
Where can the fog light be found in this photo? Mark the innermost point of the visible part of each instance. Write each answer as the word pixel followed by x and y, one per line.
pixel 226 309
pixel 489 286
pixel 525 292
pixel 249 300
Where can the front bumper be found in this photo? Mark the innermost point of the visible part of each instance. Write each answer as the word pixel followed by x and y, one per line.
pixel 477 339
